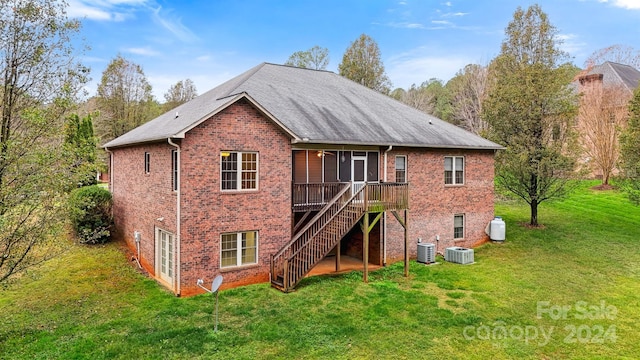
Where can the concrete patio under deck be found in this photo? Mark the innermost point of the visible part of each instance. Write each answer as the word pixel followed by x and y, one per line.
pixel 347 263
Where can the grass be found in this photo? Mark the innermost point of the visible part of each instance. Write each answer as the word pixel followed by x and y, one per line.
pixel 89 304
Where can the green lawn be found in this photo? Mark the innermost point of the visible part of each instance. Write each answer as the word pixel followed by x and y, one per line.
pixel 570 290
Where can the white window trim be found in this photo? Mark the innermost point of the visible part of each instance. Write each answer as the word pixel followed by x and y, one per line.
pixel 463 226
pixel 170 261
pixel 147 162
pixel 453 172
pixel 395 166
pixel 174 170
pixel 239 263
pixel 239 171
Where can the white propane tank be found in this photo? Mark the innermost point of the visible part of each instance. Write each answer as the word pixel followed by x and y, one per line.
pixel 498 229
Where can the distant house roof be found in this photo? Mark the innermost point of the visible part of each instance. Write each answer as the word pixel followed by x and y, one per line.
pixel 312 106
pixel 615 74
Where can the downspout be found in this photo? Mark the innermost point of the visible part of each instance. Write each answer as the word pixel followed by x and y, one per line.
pixel 178 264
pixel 384 229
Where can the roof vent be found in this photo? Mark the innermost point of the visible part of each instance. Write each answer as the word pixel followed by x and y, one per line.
pixel 177 114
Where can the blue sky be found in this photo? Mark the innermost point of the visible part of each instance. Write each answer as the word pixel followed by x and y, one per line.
pixel 213 41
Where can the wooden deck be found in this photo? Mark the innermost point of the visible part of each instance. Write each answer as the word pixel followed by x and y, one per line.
pixel 347 263
pixel 336 217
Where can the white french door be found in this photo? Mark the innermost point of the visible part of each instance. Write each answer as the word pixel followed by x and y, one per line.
pixel 164 255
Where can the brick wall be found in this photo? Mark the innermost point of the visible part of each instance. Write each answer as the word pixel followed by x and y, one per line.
pixel 141 201
pixel 207 212
pixel 434 204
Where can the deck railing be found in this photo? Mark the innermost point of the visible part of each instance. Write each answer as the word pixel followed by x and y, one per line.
pixel 318 237
pixel 387 196
pixel 314 196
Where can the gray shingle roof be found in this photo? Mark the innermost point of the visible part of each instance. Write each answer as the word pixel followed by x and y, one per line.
pixel 316 107
pixel 615 74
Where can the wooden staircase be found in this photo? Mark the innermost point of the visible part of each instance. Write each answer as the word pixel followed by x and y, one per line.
pixel 314 241
pixel 322 233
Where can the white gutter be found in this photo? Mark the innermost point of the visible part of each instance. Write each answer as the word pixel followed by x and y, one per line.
pixel 178 264
pixel 384 235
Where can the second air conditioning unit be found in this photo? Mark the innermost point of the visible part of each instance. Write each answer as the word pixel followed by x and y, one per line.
pixel 459 255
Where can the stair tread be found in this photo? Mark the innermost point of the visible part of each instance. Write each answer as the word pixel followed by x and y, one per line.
pixel 326 234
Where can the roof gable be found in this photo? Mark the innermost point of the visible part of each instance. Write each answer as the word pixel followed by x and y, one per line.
pixel 312 106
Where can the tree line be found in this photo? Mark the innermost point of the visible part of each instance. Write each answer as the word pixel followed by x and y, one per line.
pixel 49 135
pixel 527 100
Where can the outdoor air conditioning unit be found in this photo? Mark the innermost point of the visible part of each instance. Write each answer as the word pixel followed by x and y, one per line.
pixel 459 255
pixel 426 253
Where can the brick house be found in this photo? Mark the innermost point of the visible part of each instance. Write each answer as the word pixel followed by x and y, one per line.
pixel 605 92
pixel 262 177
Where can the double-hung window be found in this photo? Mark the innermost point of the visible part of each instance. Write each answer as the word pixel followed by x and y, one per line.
pixel 458 226
pixel 147 162
pixel 239 170
pixel 401 169
pixel 454 170
pixel 237 249
pixel 174 170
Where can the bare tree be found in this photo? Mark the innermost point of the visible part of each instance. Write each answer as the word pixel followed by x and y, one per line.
pixel 418 97
pixel 614 53
pixel 124 98
pixel 425 97
pixel 316 58
pixel 467 92
pixel 602 115
pixel 179 93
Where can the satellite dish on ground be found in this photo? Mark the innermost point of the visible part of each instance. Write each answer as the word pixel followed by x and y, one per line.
pixel 215 284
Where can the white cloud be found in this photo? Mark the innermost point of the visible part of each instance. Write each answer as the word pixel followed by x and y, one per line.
pixel 172 24
pixel 145 51
pixel 420 64
pixel 457 14
pixel 571 43
pixel 406 25
pixel 104 10
pixel 121 10
pixel 625 4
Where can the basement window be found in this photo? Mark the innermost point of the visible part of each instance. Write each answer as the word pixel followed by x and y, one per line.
pixel 237 249
pixel 458 226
